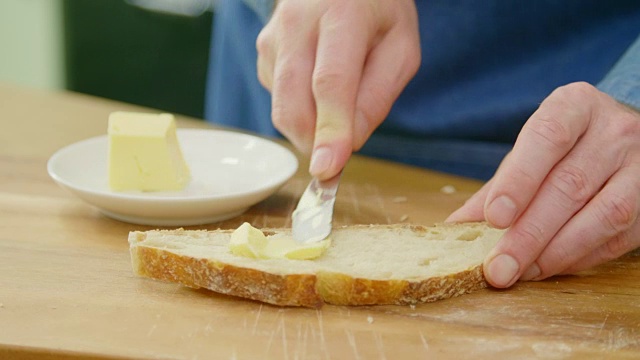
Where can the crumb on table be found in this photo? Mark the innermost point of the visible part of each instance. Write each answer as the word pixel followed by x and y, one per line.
pixel 448 189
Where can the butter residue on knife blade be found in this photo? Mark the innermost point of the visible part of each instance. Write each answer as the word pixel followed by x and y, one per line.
pixel 310 203
pixel 250 242
pixel 311 211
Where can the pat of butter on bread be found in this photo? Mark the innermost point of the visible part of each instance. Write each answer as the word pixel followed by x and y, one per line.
pixel 144 153
pixel 247 241
pixel 364 264
pixel 250 242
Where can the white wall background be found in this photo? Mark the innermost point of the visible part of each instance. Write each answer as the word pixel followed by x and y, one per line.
pixel 31 43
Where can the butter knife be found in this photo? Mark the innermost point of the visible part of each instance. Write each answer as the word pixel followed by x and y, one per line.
pixel 312 218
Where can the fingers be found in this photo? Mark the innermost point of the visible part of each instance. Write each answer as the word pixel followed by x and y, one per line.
pixel 607 219
pixel 293 110
pixel 568 187
pixel 312 55
pixel 616 207
pixel 266 58
pixel 546 138
pixel 388 69
pixel 341 52
pixel 590 196
pixel 285 65
pixel 539 166
pixel 473 208
pixel 611 249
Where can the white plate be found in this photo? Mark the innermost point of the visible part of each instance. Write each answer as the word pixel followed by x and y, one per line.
pixel 230 172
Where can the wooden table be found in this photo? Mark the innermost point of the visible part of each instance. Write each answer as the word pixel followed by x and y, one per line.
pixel 67 289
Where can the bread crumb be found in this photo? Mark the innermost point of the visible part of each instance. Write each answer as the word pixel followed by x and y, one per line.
pixel 399 199
pixel 404 218
pixel 448 189
pixel 370 319
pixel 412 306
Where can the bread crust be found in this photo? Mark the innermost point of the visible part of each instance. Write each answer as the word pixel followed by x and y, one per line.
pixel 285 290
pixel 307 290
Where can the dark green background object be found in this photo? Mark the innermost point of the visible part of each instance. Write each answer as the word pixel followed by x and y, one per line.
pixel 122 52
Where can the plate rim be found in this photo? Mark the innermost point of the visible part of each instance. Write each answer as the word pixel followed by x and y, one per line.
pixel 155 196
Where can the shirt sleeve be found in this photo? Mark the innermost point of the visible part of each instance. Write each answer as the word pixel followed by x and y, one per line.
pixel 263 8
pixel 623 81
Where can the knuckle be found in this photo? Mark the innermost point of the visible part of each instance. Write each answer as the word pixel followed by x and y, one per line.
pixel 326 81
pixel 263 42
pixel 576 92
pixel 285 77
pixel 411 55
pixel 279 116
pixel 282 116
pixel 413 61
pixel 522 175
pixel 627 125
pixel 289 15
pixel 572 184
pixel 378 103
pixel 516 178
pixel 617 246
pixel 554 260
pixel 616 214
pixel 288 122
pixel 290 107
pixel 290 119
pixel 530 236
pixel 341 8
pixel 290 78
pixel 620 131
pixel 331 128
pixel 264 74
pixel 264 80
pixel 552 131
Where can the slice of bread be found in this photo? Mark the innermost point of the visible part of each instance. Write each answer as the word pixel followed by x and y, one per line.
pixel 365 265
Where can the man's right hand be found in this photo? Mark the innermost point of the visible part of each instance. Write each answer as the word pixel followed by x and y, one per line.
pixel 334 69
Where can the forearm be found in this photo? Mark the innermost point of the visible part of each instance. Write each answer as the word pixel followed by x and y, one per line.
pixel 263 8
pixel 623 81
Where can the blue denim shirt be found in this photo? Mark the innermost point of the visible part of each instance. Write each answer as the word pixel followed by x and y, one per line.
pixel 262 8
pixel 485 69
pixel 623 81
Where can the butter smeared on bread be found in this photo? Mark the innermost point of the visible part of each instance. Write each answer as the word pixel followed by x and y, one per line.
pixel 251 242
pixel 365 265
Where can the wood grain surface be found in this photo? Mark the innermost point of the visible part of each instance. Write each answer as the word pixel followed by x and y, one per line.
pixel 67 289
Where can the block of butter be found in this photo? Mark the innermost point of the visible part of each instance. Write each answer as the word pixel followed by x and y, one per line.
pixel 144 153
pixel 251 242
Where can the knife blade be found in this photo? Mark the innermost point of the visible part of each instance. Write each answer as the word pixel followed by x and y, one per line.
pixel 313 216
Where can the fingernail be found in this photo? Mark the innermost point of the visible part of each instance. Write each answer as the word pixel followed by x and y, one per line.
pixel 320 161
pixel 502 270
pixel 501 211
pixel 532 272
